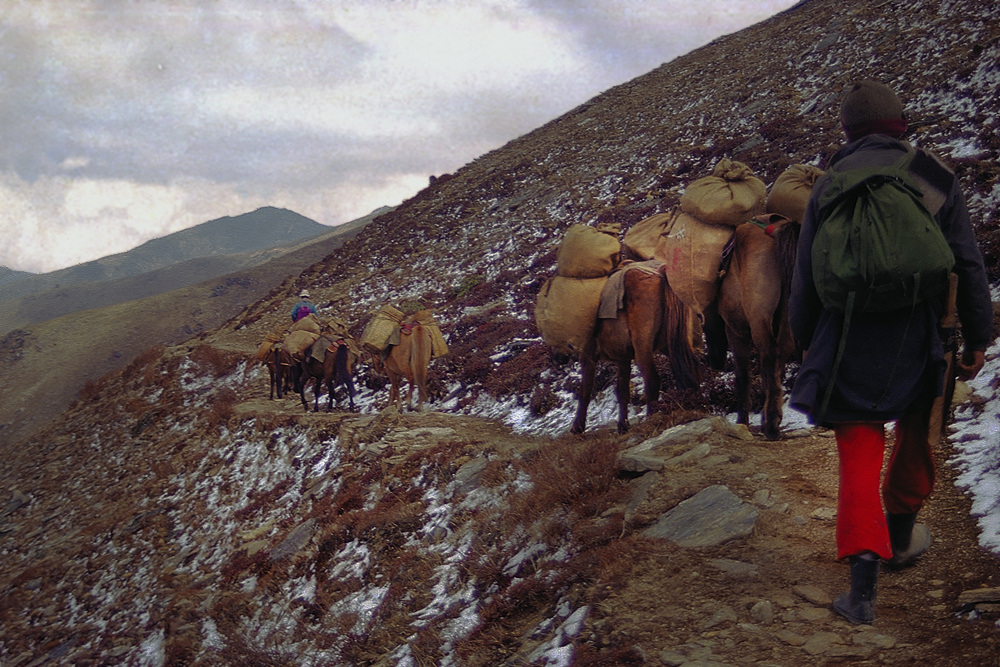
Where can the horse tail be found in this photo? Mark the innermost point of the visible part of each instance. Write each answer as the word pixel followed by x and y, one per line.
pixel 420 353
pixel 678 323
pixel 342 370
pixel 786 238
pixel 341 366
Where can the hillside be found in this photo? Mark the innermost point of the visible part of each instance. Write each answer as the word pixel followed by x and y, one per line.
pixel 256 231
pixel 46 363
pixel 174 515
pixel 8 275
pixel 211 246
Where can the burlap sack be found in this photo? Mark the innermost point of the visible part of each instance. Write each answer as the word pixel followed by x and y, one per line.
pixel 790 192
pixel 692 252
pixel 586 252
pixel 425 318
pixel 730 196
pixel 297 343
pixel 642 238
pixel 381 329
pixel 269 341
pixel 566 311
pixel 308 323
pixel 335 328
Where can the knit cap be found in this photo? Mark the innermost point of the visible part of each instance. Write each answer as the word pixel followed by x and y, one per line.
pixel 870 106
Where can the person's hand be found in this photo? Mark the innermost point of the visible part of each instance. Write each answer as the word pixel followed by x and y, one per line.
pixel 970 365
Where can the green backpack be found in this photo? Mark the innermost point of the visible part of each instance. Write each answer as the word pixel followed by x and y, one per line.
pixel 877 248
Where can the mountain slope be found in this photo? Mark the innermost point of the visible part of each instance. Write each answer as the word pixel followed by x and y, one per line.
pixel 264 228
pixel 63 299
pixel 46 363
pixel 10 275
pixel 174 515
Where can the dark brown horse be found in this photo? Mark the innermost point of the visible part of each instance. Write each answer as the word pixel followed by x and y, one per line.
pixel 652 319
pixel 279 367
pixel 408 360
pixel 335 370
pixel 753 302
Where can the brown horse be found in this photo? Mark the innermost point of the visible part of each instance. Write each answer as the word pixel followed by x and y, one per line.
pixel 652 319
pixel 408 360
pixel 753 302
pixel 335 370
pixel 279 365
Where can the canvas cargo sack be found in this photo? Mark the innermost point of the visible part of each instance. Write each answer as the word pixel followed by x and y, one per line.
pixel 877 247
pixel 730 196
pixel 425 318
pixel 297 343
pixel 268 343
pixel 566 311
pixel 308 323
pixel 691 251
pixel 587 252
pixel 642 238
pixel 335 328
pixel 789 195
pixel 382 330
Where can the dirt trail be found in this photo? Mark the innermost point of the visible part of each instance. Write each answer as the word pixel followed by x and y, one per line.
pixel 765 600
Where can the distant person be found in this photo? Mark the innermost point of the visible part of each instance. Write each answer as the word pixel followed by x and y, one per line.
pixel 304 307
pixel 883 366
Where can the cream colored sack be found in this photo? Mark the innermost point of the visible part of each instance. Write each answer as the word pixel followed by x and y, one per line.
pixel 425 318
pixel 790 192
pixel 269 342
pixel 379 331
pixel 298 342
pixel 692 252
pixel 566 311
pixel 586 252
pixel 642 238
pixel 730 196
pixel 308 323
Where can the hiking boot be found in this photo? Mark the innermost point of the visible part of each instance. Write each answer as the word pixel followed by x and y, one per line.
pixel 910 540
pixel 858 604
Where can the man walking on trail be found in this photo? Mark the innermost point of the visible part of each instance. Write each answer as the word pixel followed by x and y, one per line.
pixel 864 366
pixel 304 307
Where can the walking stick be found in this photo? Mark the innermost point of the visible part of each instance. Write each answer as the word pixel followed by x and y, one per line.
pixel 941 409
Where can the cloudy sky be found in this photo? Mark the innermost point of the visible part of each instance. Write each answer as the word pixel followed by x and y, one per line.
pixel 123 121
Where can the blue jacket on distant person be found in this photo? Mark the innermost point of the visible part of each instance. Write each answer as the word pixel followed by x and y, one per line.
pixel 303 307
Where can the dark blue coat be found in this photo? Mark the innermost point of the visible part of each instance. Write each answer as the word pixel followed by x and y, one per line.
pixel 893 362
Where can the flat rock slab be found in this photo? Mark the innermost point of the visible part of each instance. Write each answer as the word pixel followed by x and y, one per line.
pixel 712 516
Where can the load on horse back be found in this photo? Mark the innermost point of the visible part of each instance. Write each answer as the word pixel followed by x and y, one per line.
pixel 402 348
pixel 753 302
pixel 649 318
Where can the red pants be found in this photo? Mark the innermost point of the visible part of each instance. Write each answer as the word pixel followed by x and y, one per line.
pixel 909 480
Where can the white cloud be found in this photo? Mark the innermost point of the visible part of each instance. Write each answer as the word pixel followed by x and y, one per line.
pixel 125 121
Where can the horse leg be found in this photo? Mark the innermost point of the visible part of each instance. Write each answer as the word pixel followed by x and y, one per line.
pixel 342 373
pixel 588 368
pixel 303 382
pixel 741 360
pixel 716 342
pixel 624 395
pixel 644 322
pixel 771 371
pixel 420 359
